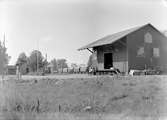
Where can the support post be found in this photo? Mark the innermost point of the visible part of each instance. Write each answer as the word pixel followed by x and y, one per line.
pixel 89 50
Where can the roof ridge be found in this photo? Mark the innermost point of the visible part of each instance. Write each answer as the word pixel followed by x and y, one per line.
pixel 126 30
pixel 130 30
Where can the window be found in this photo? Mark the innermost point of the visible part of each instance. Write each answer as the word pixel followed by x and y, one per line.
pixel 156 52
pixel 140 52
pixel 148 38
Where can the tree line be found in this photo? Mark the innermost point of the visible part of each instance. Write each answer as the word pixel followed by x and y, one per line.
pixel 36 62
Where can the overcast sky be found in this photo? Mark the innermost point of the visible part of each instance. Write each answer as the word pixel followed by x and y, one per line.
pixel 62 26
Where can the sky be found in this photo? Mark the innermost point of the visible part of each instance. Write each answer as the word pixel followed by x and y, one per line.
pixel 59 27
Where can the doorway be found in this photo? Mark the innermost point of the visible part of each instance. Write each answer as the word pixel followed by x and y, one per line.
pixel 108 60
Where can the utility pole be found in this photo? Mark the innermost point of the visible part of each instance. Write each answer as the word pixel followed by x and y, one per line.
pixel 37 62
pixel 37 56
pixel 1 60
pixel 46 57
pixel 4 40
pixel 3 57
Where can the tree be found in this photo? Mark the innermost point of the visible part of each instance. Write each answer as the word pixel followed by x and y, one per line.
pixel 22 61
pixel 54 64
pixel 4 58
pixel 36 61
pixel 61 63
pixel 44 64
pixel 74 65
pixel 92 62
pixel 22 58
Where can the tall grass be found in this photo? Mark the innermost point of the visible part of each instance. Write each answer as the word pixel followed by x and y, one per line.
pixel 97 98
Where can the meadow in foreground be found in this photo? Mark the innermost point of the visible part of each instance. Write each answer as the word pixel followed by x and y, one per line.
pixel 93 98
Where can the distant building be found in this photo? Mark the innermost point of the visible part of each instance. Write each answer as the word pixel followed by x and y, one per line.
pixel 142 47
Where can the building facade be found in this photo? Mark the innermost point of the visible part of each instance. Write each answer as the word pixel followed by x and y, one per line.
pixel 139 48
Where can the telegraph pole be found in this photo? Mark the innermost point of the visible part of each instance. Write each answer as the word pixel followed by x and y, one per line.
pixel 4 40
pixel 37 64
pixel 3 57
pixel 37 56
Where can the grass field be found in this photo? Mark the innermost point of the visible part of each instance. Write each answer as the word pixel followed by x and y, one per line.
pixel 84 97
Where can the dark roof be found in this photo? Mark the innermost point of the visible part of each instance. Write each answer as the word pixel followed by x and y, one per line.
pixel 112 38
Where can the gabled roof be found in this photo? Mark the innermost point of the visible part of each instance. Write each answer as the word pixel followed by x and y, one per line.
pixel 112 38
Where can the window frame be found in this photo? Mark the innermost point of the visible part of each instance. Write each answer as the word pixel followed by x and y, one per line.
pixel 148 38
pixel 156 52
pixel 143 51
